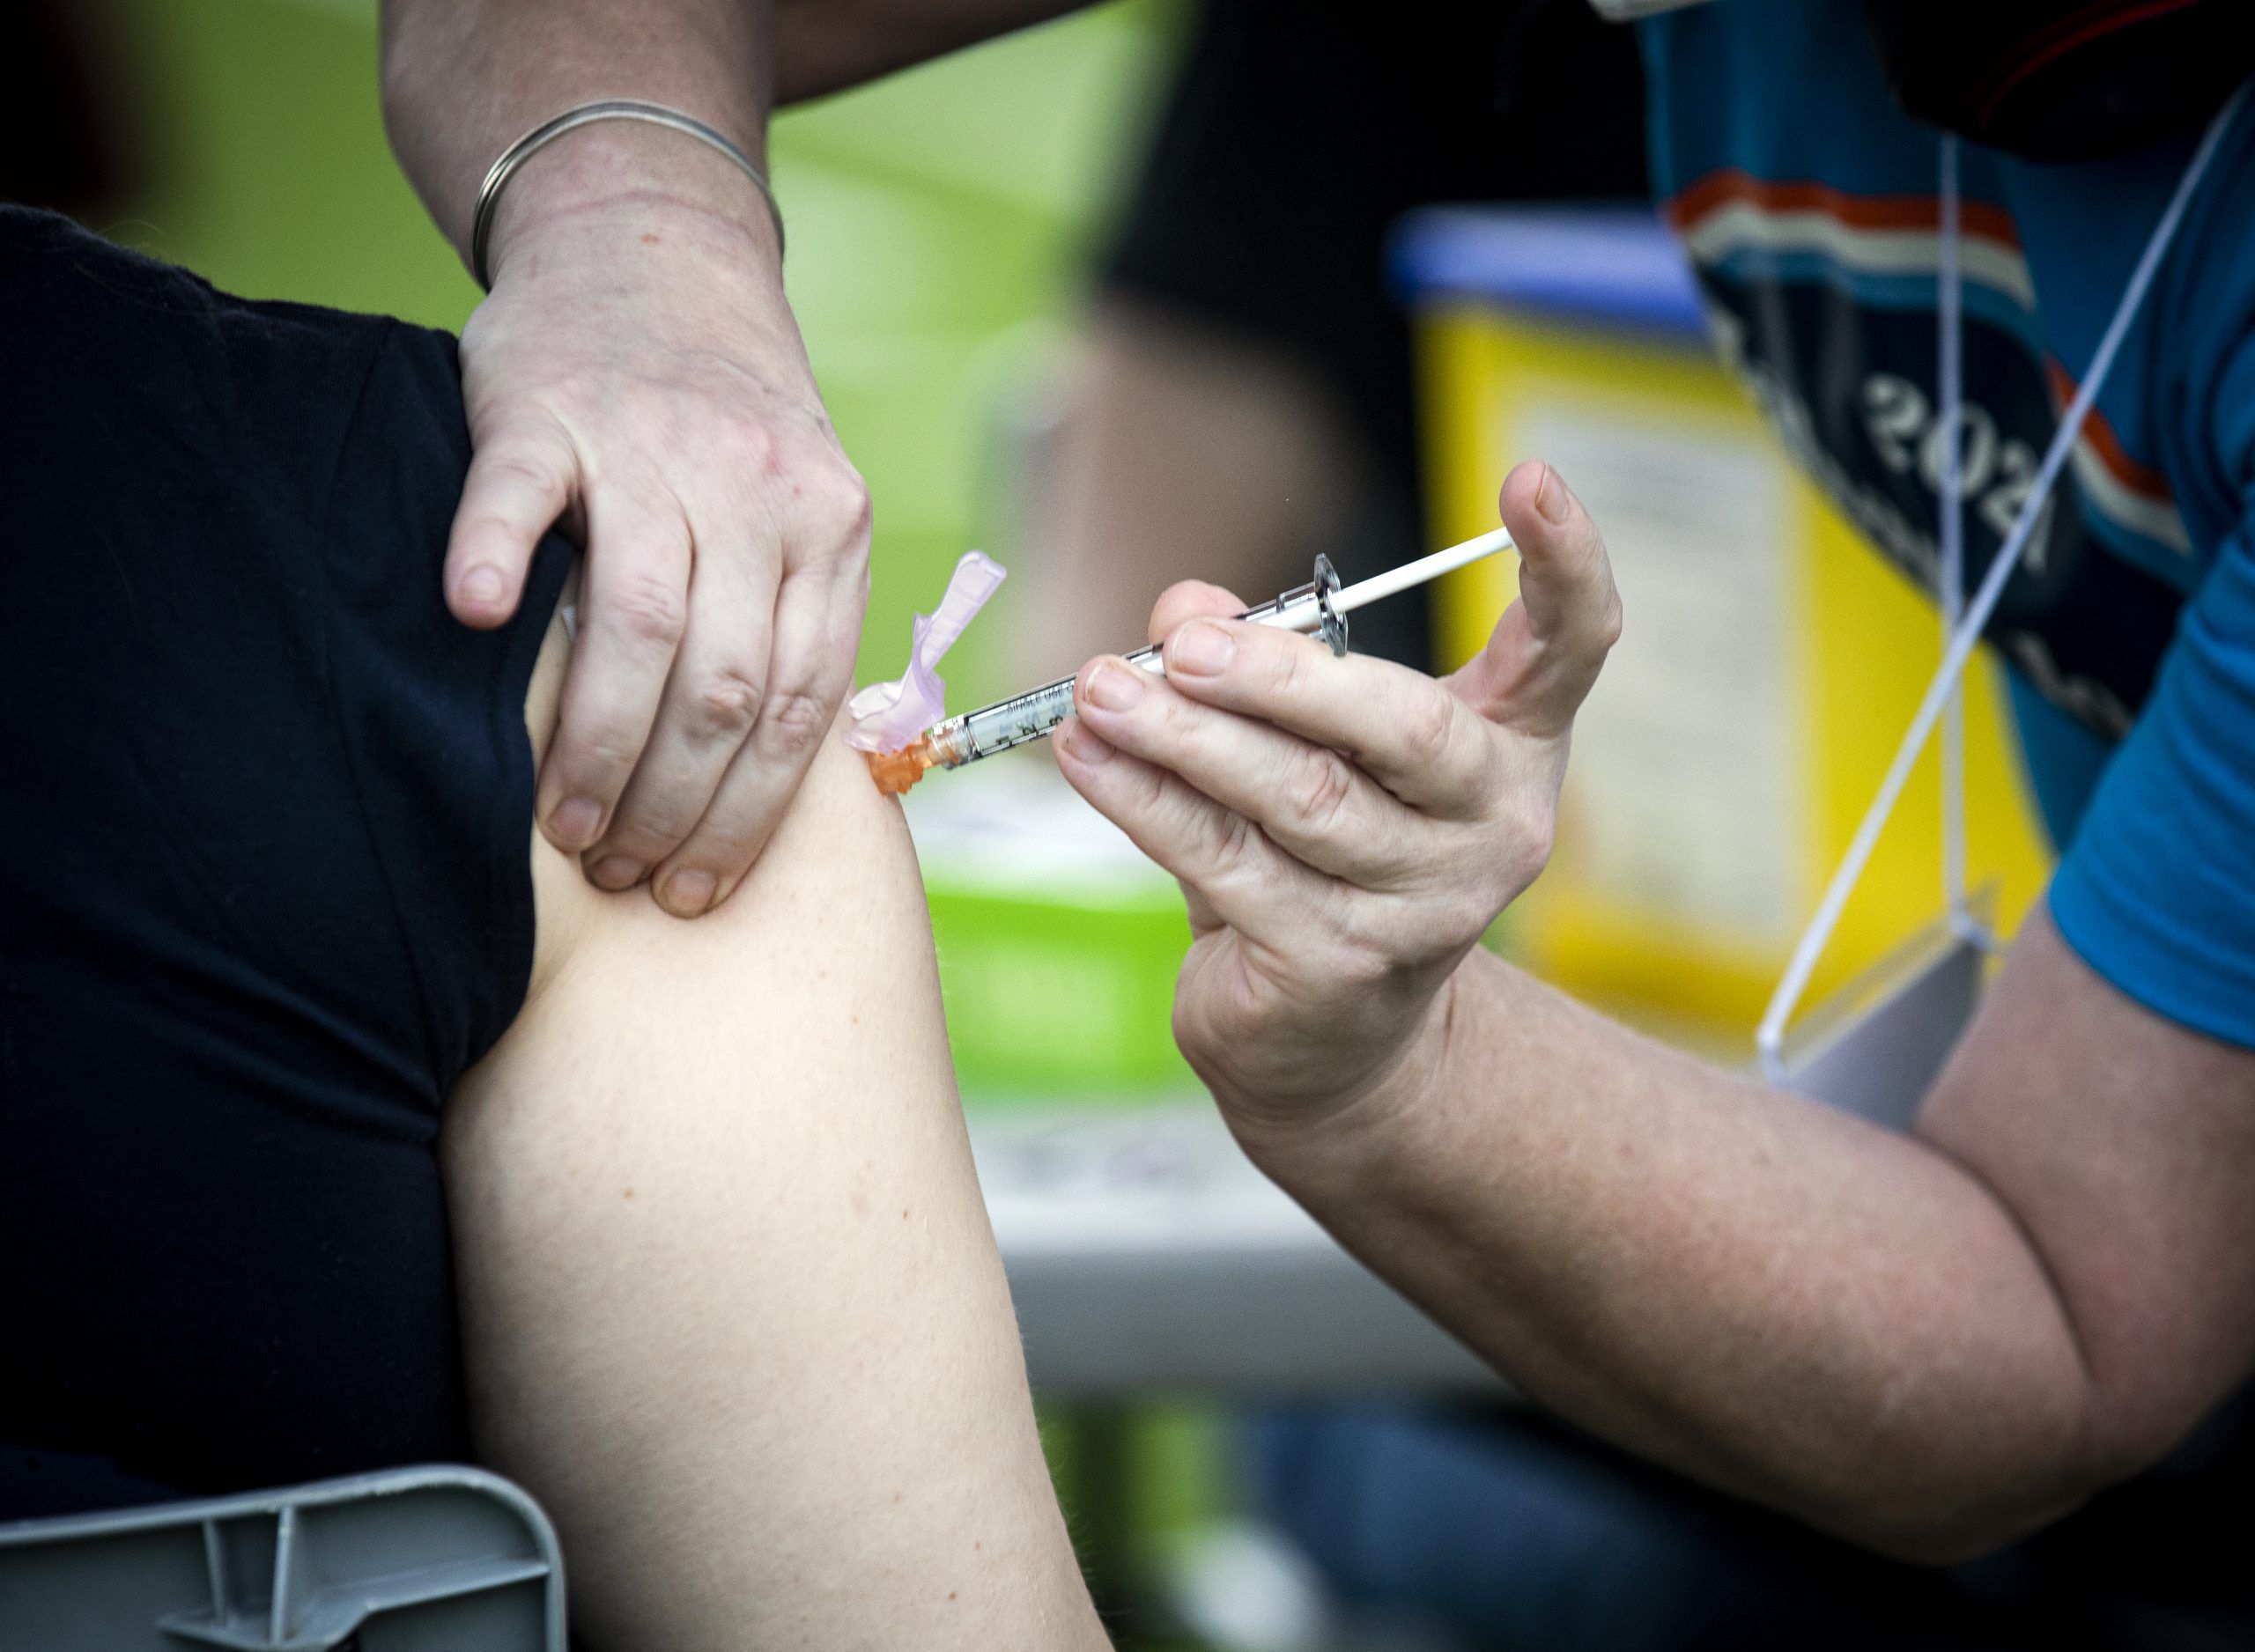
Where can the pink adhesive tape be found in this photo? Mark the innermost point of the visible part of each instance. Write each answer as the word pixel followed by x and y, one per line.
pixel 890 715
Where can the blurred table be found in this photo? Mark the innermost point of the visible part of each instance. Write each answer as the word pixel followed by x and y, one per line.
pixel 1146 1253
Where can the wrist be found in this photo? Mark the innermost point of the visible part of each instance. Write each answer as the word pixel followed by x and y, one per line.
pixel 1360 1138
pixel 665 185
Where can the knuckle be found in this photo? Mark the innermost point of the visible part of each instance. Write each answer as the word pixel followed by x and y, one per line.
pixel 1375 942
pixel 727 703
pixel 831 498
pixel 1604 630
pixel 1288 674
pixel 651 609
pixel 1317 790
pixel 849 509
pixel 1531 834
pixel 1468 916
pixel 1151 794
pixel 1360 961
pixel 797 716
pixel 1235 843
pixel 1474 786
pixel 525 460
pixel 748 442
pixel 490 531
pixel 647 841
pixel 1431 725
pixel 595 763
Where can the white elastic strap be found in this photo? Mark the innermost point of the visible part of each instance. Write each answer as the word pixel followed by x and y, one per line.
pixel 1949 374
pixel 1769 1037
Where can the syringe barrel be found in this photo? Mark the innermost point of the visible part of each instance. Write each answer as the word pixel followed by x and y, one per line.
pixel 1319 606
pixel 1027 717
pixel 1015 722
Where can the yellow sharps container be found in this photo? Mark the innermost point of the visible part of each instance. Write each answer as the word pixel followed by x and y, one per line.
pixel 1770 661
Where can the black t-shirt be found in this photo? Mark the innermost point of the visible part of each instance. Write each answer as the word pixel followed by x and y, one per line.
pixel 264 887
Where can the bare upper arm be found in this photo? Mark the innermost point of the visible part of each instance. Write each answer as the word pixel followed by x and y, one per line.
pixel 731 1306
pixel 2125 1145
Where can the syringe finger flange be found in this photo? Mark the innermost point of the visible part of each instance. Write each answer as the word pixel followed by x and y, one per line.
pixel 1334 622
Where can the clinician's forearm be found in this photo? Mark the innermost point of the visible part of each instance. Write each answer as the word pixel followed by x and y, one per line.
pixel 1774 1297
pixel 465 79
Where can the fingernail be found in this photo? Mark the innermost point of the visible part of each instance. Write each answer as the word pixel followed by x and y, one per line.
pixel 615 873
pixel 1084 746
pixel 1115 688
pixel 1551 497
pixel 482 586
pixel 1202 650
pixel 576 823
pixel 689 893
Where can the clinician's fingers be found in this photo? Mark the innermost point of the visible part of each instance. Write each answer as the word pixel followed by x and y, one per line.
pixel 1420 742
pixel 1242 878
pixel 1312 802
pixel 1546 650
pixel 1187 599
pixel 1203 919
pixel 521 480
pixel 633 619
pixel 805 684
pixel 712 698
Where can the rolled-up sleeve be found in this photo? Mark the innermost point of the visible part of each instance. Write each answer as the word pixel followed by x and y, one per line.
pixel 2156 891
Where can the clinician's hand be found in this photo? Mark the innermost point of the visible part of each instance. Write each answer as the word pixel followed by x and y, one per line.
pixel 1344 829
pixel 637 372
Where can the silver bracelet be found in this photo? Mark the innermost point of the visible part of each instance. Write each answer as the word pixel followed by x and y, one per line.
pixel 498 176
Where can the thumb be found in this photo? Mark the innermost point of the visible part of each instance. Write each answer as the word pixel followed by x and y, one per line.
pixel 1189 600
pixel 1545 652
pixel 519 482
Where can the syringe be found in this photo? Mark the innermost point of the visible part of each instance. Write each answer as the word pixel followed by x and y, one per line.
pixel 1319 606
